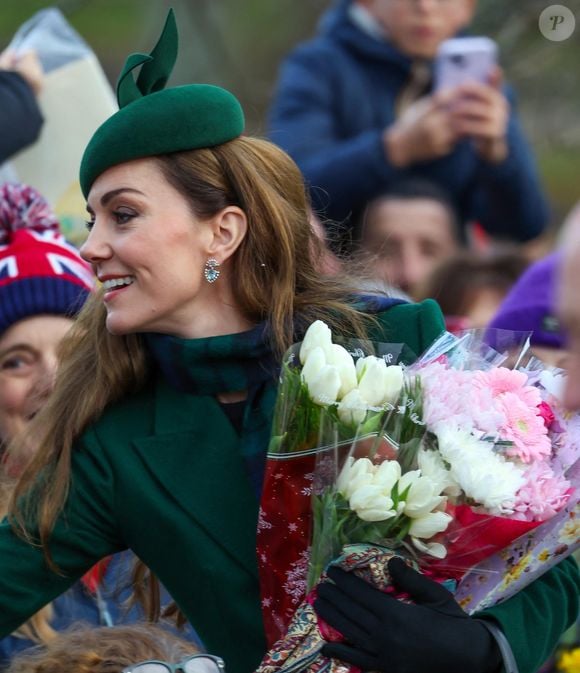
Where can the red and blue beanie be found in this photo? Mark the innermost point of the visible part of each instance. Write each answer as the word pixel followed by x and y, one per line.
pixel 40 273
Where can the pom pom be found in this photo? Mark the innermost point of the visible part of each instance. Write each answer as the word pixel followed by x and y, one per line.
pixel 23 207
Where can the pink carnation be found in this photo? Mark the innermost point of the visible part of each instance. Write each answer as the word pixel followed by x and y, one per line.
pixel 525 428
pixel 543 495
pixel 445 394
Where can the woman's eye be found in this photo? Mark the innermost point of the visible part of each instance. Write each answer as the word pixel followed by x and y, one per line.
pixel 89 224
pixel 123 216
pixel 14 362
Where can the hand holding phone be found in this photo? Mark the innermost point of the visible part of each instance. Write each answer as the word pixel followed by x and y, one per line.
pixel 467 70
pixel 464 59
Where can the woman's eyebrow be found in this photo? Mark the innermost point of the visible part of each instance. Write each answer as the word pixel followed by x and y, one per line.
pixel 15 347
pixel 114 192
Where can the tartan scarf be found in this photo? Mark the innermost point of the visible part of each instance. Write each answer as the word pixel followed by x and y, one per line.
pixel 234 362
pixel 227 363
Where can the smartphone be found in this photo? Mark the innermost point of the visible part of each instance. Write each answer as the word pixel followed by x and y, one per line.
pixel 464 59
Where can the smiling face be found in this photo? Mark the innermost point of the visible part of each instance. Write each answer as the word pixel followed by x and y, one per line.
pixel 149 250
pixel 28 359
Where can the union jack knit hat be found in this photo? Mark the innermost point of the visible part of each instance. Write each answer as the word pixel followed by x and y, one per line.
pixel 40 272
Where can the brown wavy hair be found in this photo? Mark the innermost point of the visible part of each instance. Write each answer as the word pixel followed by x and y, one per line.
pixel 103 650
pixel 277 280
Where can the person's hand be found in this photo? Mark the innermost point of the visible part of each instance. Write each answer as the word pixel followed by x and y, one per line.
pixel 27 65
pixel 384 634
pixel 423 133
pixel 481 112
pixel 568 304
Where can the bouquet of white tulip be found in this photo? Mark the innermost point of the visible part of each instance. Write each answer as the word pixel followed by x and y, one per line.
pixel 365 486
pixel 334 401
pixel 448 461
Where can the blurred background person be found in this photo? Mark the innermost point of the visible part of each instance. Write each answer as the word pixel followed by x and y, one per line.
pixel 21 120
pixel 568 301
pixel 405 233
pixel 355 108
pixel 530 306
pixel 470 287
pixel 43 284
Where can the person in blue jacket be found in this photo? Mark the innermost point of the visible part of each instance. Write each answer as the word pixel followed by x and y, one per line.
pixel 354 108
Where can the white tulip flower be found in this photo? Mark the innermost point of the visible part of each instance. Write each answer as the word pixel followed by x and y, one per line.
pixel 355 473
pixel 342 360
pixel 432 548
pixel 371 373
pixel 314 363
pixel 429 525
pixel 352 409
pixel 387 475
pixel 378 383
pixel 371 504
pixel 422 498
pixel 318 334
pixel 324 387
pixel 393 383
pixel 431 465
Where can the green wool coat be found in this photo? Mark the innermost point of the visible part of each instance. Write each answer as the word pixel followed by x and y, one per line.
pixel 161 473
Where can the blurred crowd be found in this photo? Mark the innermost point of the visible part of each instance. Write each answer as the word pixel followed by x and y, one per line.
pixel 415 191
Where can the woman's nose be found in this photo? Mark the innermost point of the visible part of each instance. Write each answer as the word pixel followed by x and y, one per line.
pixel 95 247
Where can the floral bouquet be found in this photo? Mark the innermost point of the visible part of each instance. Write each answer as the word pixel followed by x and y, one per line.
pixel 447 462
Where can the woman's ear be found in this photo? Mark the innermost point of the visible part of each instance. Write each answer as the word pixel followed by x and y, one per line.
pixel 228 228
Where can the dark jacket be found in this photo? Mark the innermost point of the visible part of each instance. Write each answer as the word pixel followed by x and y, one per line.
pixel 335 97
pixel 20 116
pixel 162 473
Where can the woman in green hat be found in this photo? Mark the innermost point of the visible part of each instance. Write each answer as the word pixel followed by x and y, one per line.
pixel 155 436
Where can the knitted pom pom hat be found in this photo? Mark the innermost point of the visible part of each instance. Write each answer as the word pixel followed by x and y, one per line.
pixel 40 273
pixel 153 120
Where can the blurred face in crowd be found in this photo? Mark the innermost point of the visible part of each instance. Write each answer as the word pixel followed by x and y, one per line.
pixel 417 27
pixel 404 239
pixel 554 357
pixel 28 360
pixel 482 303
pixel 149 250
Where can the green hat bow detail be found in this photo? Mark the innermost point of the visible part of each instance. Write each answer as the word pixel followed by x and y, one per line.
pixel 156 67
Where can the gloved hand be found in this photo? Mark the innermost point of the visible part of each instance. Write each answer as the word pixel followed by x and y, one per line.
pixel 434 635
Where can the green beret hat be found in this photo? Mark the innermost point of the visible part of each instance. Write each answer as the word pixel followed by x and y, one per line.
pixel 152 120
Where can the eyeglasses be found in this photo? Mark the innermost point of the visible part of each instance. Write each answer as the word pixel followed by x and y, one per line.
pixel 198 663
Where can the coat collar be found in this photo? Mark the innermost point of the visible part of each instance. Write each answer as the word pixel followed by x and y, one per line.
pixel 217 496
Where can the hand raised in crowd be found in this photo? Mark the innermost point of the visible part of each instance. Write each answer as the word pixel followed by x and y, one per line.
pixel 568 304
pixel 481 111
pixel 384 634
pixel 423 132
pixel 27 65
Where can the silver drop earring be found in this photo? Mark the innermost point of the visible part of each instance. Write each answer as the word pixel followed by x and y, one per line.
pixel 211 271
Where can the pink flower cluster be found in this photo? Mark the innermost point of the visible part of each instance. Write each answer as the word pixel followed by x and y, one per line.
pixel 501 406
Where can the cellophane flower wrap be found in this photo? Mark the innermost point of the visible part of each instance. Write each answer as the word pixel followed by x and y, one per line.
pixel 464 467
pixel 304 427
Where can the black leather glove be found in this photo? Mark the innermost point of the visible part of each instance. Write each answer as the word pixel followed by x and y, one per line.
pixel 433 635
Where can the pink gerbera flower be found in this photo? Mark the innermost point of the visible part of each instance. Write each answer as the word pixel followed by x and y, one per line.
pixel 525 428
pixel 502 380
